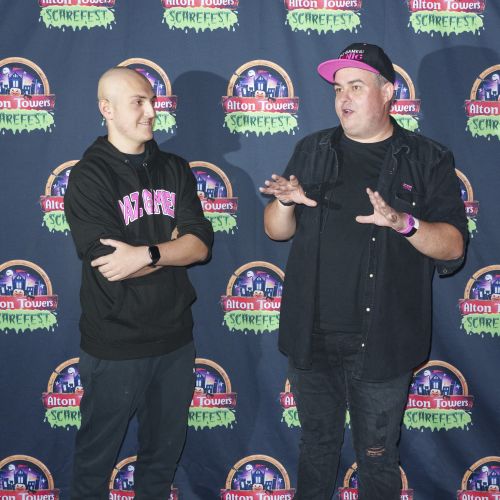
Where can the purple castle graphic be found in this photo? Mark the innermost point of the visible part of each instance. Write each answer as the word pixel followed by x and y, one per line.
pixel 258 282
pixel 489 88
pixel 20 280
pixel 124 480
pixel 401 89
pixel 154 78
pixel 20 79
pixel 256 475
pixel 209 381
pixel 486 478
pixel 486 287
pixel 436 381
pixel 22 475
pixel 210 184
pixel 60 183
pixel 260 82
pixel 68 380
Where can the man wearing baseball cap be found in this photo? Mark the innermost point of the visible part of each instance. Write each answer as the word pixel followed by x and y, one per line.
pixel 373 210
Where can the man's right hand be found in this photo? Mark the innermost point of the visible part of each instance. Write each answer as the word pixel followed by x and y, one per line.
pixel 287 190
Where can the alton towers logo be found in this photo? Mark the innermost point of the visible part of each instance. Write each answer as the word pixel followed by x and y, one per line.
pixel 253 298
pixel 405 107
pixel 52 201
pixel 165 103
pixel 471 205
pixel 26 103
pixel 260 99
pixel 200 15
pixel 27 302
pixel 216 196
pixel 349 489
pixel 446 17
pixel 323 16
pixel 257 477
pixel 213 404
pixel 77 14
pixel 63 396
pixel 121 484
pixel 483 107
pixel 480 307
pixel 481 481
pixel 25 478
pixel 438 399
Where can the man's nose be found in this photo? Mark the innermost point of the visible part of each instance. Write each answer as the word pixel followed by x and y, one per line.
pixel 150 110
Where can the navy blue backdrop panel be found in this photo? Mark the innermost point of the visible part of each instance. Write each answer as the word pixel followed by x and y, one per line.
pixel 237 87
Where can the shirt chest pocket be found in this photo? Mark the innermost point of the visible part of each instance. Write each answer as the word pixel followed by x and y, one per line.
pixel 409 202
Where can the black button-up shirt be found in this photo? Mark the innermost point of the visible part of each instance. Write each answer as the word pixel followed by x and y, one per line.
pixel 419 178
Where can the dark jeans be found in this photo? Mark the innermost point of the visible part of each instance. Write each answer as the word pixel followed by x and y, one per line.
pixel 159 390
pixel 322 395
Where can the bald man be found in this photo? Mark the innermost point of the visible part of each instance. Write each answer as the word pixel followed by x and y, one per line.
pixel 125 201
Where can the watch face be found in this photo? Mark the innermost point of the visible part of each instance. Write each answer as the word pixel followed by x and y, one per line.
pixel 154 253
pixel 411 220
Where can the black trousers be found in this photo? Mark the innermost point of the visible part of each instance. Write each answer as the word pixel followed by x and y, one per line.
pixel 322 395
pixel 159 391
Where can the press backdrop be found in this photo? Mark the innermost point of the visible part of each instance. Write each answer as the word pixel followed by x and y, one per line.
pixel 237 87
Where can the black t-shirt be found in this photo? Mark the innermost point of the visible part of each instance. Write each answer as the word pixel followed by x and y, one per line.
pixel 343 255
pixel 136 160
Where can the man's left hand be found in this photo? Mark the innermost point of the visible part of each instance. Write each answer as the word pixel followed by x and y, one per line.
pixel 124 261
pixel 383 214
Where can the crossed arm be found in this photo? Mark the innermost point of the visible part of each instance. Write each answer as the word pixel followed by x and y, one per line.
pixel 437 240
pixel 129 261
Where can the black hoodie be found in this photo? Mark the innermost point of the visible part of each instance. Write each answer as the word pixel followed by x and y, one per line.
pixel 108 197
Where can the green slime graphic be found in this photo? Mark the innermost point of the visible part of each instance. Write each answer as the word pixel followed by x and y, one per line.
pixel 56 221
pixel 484 126
pixel 25 120
pixel 22 321
pixel 164 121
pixel 222 222
pixel 445 23
pixel 63 417
pixel 260 123
pixel 200 19
pixel 291 417
pixel 76 17
pixel 253 321
pixel 471 226
pixel 436 419
pixel 307 20
pixel 484 323
pixel 407 121
pixel 209 418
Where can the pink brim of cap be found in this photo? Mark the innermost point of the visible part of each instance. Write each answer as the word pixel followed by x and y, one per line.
pixel 328 69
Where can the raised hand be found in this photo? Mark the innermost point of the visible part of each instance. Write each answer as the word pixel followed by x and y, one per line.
pixel 287 190
pixel 383 214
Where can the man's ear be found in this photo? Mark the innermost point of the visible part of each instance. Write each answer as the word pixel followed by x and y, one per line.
pixel 106 109
pixel 388 91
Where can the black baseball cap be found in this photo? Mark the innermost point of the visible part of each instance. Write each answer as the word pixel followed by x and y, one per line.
pixel 359 55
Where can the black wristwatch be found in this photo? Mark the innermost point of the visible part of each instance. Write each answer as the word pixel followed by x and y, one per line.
pixel 154 253
pixel 286 203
